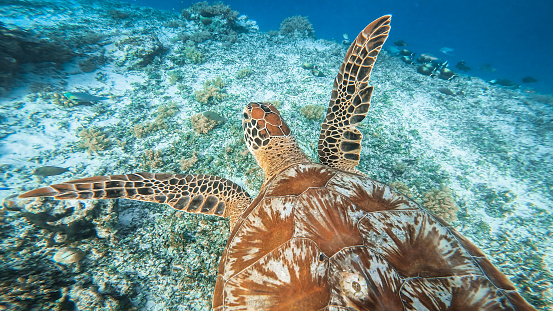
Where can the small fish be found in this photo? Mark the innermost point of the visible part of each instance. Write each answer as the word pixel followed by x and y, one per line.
pixel 317 73
pixel 462 65
pixel 446 91
pixel 48 170
pixel 400 43
pixel 5 188
pixel 446 50
pixel 307 66
pixel 83 97
pixel 504 82
pixel 406 52
pixel 211 115
pixel 529 79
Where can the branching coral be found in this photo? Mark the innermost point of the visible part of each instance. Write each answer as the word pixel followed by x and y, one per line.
pixel 441 203
pixel 93 140
pixel 152 159
pixel 202 124
pixel 401 187
pixel 187 163
pixel 193 55
pixel 297 26
pixel 164 113
pixel 212 92
pixel 173 77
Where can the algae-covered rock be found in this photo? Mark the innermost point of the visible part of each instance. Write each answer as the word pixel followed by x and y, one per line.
pixel 19 46
pixel 137 51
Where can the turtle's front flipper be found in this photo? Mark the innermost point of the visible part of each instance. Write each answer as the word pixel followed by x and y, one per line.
pixel 210 195
pixel 340 141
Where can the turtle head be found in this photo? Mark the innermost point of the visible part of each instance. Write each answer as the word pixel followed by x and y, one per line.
pixel 269 139
pixel 262 122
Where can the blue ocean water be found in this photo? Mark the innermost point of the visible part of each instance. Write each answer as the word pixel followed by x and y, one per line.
pixel 511 39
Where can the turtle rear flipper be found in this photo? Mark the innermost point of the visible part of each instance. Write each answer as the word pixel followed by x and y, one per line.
pixel 202 194
pixel 340 141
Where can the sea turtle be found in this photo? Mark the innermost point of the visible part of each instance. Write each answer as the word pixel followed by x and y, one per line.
pixel 321 236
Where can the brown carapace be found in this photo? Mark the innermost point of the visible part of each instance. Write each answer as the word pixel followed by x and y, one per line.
pixel 322 236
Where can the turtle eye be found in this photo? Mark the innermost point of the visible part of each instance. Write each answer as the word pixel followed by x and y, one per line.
pixel 246 115
pixel 321 257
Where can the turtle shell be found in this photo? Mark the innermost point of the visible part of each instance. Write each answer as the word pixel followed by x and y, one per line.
pixel 320 238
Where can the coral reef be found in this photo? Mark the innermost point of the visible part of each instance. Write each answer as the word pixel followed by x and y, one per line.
pixel 163 114
pixel 93 140
pixel 187 163
pixel 441 203
pixel 313 112
pixel 207 10
pixel 219 14
pixel 401 187
pixel 454 142
pixel 152 159
pixel 216 21
pixel 212 92
pixel 34 288
pixel 44 253
pixel 200 36
pixel 297 26
pixel 202 124
pixel 193 55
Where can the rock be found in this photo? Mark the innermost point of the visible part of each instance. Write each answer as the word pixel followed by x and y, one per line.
pixel 138 51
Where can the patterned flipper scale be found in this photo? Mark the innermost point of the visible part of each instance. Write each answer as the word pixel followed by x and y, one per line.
pixel 202 194
pixel 340 141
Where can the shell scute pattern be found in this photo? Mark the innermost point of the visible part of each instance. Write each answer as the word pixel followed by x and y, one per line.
pixel 386 254
pixel 328 219
pixel 296 179
pixel 290 278
pixel 268 226
pixel 470 292
pixel 369 195
pixel 415 244
pixel 352 284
